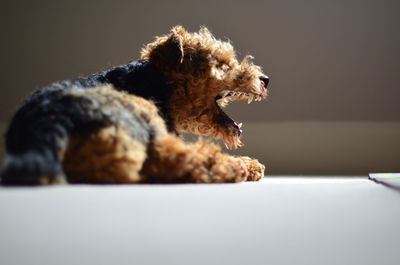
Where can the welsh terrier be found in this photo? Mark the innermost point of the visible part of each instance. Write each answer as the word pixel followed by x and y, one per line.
pixel 123 125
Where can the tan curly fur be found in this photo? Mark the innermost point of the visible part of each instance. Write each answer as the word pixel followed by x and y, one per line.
pixel 205 76
pixel 201 67
pixel 109 155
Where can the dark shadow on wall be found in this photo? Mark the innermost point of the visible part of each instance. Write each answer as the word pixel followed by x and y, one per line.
pixel 328 60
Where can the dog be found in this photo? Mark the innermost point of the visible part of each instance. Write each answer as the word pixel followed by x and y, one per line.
pixel 123 125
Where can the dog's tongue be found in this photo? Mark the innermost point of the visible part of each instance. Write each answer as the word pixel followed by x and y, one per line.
pixel 237 127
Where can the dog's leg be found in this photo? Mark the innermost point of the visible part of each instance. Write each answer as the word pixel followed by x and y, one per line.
pixel 255 168
pixel 109 155
pixel 170 160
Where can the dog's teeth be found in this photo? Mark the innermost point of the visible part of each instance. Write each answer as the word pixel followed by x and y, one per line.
pixel 250 99
pixel 240 125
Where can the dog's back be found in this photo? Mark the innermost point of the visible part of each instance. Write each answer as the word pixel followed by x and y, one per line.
pixel 40 130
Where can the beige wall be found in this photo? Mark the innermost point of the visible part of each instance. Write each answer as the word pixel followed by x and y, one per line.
pixel 305 147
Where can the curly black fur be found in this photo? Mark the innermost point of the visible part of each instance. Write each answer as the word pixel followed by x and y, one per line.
pixel 44 121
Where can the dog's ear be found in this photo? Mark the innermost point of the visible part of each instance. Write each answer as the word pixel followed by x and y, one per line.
pixel 174 44
pixel 170 52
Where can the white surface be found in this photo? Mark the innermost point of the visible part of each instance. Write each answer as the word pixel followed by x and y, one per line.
pixel 391 180
pixel 276 221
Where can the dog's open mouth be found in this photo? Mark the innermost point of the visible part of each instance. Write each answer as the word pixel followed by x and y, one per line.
pixel 224 120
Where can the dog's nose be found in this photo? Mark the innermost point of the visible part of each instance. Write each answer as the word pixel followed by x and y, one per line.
pixel 265 79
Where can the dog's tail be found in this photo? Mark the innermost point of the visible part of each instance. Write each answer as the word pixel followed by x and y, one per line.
pixel 33 167
pixel 33 149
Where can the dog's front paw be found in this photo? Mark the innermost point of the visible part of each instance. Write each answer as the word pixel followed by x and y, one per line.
pixel 228 169
pixel 255 169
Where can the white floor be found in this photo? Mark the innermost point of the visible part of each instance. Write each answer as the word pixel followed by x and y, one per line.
pixel 288 220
